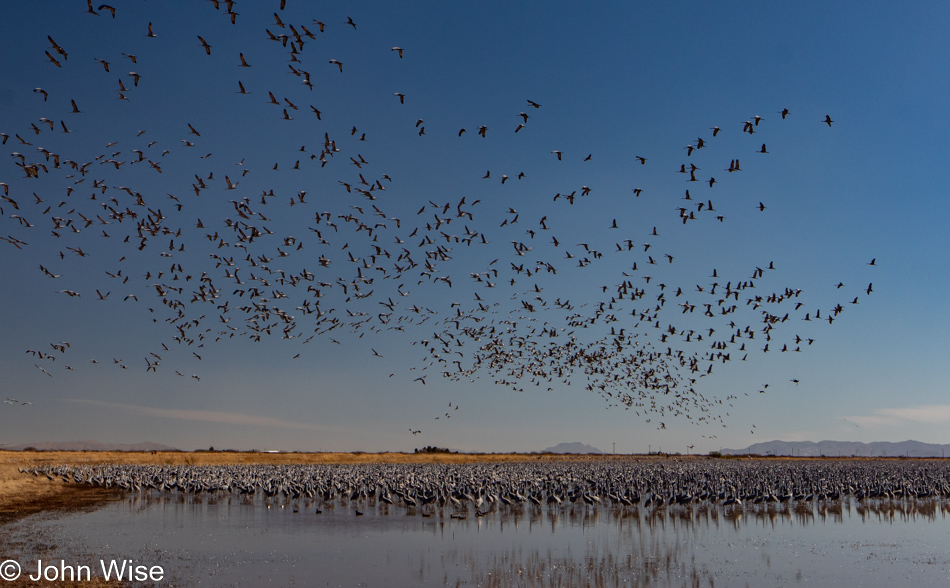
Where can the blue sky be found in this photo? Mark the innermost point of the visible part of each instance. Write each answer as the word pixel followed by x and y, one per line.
pixel 615 82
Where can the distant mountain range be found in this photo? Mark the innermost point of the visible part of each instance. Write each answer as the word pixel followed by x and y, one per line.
pixel 778 448
pixel 575 447
pixel 89 446
pixel 844 449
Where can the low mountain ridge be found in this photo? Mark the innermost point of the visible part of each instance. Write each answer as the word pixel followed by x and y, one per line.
pixel 89 446
pixel 575 447
pixel 908 448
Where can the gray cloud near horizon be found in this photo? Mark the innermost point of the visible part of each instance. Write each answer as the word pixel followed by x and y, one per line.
pixel 928 413
pixel 209 416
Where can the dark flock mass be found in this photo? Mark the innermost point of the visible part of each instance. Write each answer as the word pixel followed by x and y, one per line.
pixel 151 217
pixel 478 489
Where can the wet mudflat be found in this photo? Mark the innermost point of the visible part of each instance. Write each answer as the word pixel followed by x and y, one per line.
pixel 231 540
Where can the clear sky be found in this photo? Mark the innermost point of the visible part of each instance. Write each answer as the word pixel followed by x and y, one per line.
pixel 310 318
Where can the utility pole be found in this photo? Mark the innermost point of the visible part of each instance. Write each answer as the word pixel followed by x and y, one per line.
pixel 615 448
pixel 650 449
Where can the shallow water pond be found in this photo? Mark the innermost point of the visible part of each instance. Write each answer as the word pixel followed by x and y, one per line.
pixel 227 541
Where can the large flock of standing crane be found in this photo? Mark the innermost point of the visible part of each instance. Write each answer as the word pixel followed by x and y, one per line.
pixel 467 489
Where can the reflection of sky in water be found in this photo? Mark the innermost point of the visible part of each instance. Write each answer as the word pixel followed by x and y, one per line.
pixel 227 542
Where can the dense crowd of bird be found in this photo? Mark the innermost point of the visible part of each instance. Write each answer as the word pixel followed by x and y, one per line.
pixel 138 221
pixel 478 489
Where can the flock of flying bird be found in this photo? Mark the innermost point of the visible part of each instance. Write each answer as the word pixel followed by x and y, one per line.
pixel 368 263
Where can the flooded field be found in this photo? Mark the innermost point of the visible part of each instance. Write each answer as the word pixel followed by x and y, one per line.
pixel 245 538
pixel 233 542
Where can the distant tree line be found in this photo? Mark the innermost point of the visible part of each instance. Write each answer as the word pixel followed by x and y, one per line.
pixel 433 449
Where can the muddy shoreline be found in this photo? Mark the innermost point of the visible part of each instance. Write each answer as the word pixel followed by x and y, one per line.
pixel 47 500
pixel 25 495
